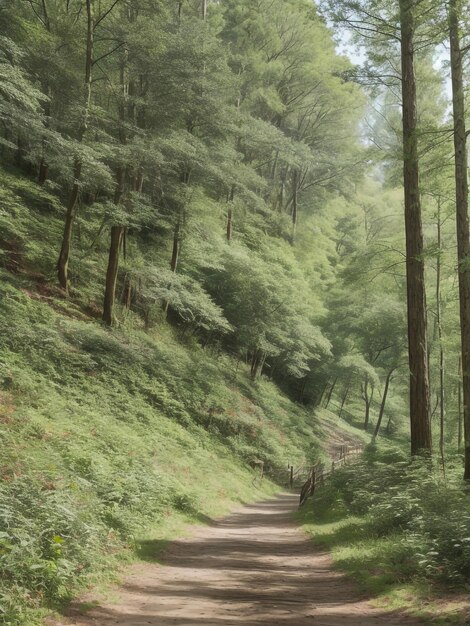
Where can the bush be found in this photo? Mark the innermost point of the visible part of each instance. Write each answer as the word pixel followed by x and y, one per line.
pixel 427 516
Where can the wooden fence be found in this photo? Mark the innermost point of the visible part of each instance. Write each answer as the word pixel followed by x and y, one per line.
pixel 320 472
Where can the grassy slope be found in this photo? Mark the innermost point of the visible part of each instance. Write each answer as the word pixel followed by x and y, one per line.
pixel 111 438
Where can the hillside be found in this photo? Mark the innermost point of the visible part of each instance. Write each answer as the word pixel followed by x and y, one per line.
pixel 109 432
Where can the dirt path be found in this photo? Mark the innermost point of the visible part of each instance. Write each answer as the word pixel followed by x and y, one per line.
pixel 254 567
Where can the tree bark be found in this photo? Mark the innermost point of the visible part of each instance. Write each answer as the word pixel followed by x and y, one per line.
pixel 440 338
pixel 174 257
pixel 64 256
pixel 255 363
pixel 229 223
pixel 117 233
pixel 421 440
pixel 319 401
pixel 330 393
pixel 461 197
pixel 230 214
pixel 368 402
pixel 383 404
pixel 176 248
pixel 459 408
pixel 43 172
pixel 295 199
pixel 344 398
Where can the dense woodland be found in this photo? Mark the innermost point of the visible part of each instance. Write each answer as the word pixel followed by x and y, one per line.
pixel 203 199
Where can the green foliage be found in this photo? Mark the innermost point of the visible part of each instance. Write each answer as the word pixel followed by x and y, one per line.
pixel 417 520
pixel 107 433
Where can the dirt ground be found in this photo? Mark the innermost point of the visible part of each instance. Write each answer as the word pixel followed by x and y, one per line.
pixel 254 567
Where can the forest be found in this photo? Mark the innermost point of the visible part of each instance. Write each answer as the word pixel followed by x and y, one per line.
pixel 234 235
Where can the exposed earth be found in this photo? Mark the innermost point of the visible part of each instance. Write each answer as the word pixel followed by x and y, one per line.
pixel 254 567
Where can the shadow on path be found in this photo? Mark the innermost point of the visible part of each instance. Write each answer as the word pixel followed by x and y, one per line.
pixel 255 567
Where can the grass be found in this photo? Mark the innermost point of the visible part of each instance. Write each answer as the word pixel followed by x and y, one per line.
pixel 379 560
pixel 112 440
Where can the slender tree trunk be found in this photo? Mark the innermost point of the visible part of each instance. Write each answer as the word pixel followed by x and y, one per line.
pixel 230 214
pixel 262 363
pixel 320 398
pixel 421 440
pixel 282 192
pixel 344 398
pixel 463 230
pixel 459 408
pixel 43 172
pixel 440 339
pixel 229 223
pixel 368 401
pixel 117 233
pixel 111 274
pixel 295 209
pixel 176 248
pixel 63 262
pixel 204 10
pixel 383 404
pixel 302 389
pixel 174 257
pixel 64 256
pixel 330 393
pixel 126 181
pixel 255 362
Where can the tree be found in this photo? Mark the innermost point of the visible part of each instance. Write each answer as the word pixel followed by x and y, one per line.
pixel 416 289
pixel 461 203
pixel 380 25
pixel 64 256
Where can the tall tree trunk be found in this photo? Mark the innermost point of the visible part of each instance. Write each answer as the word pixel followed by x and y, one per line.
pixel 440 338
pixel 383 404
pixel 64 256
pixel 463 230
pixel 421 440
pixel 117 233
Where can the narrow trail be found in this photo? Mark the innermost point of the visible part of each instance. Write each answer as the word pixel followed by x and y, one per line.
pixel 254 567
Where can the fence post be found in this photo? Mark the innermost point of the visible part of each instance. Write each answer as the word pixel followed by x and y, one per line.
pixel 291 480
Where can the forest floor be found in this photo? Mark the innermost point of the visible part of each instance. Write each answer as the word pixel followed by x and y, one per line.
pixel 253 567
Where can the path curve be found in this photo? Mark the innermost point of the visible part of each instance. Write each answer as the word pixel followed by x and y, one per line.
pixel 254 567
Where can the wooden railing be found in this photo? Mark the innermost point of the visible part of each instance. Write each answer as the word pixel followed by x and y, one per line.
pixel 319 472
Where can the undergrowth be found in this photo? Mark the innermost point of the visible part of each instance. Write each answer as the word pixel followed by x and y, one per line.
pixel 401 529
pixel 110 436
